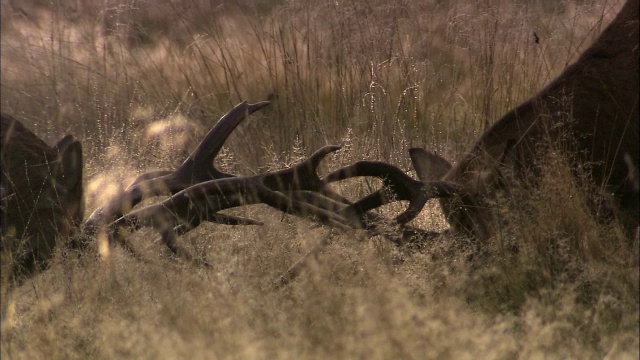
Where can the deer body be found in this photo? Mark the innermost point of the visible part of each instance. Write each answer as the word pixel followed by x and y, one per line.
pixel 592 107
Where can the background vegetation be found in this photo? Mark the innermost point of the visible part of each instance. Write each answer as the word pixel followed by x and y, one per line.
pixel 139 82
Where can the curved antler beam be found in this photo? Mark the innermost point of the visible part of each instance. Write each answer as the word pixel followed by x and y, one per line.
pixel 188 208
pixel 401 186
pixel 302 176
pixel 198 167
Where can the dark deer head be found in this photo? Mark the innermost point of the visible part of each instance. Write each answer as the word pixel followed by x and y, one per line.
pixel 41 196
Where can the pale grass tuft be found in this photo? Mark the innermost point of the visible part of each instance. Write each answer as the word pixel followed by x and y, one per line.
pixel 104 248
pixel 101 189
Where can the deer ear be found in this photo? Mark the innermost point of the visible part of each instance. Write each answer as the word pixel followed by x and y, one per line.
pixel 632 174
pixel 429 166
pixel 493 174
pixel 70 154
pixel 70 175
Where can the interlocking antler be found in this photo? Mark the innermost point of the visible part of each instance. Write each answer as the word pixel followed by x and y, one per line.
pixel 199 192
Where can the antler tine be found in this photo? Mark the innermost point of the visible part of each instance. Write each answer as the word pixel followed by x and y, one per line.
pixel 395 180
pixel 199 165
pixel 197 168
pixel 149 176
pixel 302 182
pixel 302 176
pixel 400 184
pixel 288 205
pixel 417 199
pixel 182 212
pixel 169 235
pixel 323 199
pixel 197 201
pixel 383 197
pixel 187 209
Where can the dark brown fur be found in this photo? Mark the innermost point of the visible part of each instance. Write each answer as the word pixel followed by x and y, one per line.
pixel 41 196
pixel 593 104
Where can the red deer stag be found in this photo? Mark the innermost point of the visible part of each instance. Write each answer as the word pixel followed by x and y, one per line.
pixel 41 196
pixel 603 91
pixel 599 92
pixel 43 193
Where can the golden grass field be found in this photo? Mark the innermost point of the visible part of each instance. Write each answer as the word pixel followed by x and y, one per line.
pixel 140 82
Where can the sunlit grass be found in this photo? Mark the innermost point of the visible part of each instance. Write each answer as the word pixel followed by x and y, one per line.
pixel 376 77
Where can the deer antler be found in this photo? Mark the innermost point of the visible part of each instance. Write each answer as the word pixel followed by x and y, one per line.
pixel 197 168
pixel 200 191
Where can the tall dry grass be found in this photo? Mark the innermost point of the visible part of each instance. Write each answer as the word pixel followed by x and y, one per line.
pixel 557 282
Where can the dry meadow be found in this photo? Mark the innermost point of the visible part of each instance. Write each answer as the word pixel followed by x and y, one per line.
pixel 140 82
